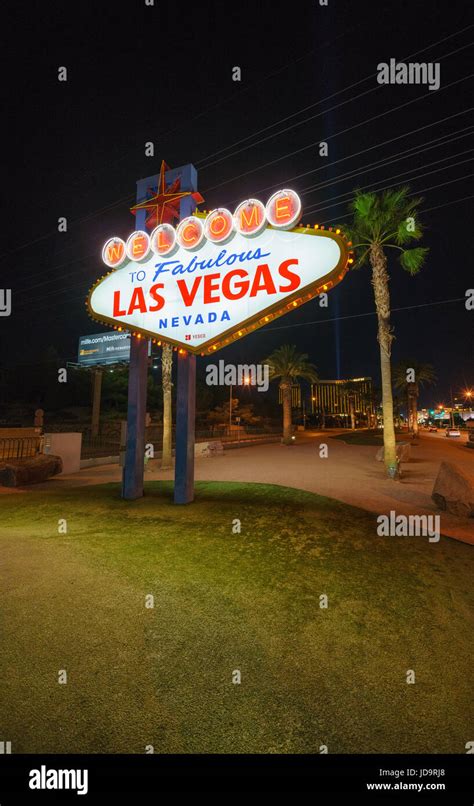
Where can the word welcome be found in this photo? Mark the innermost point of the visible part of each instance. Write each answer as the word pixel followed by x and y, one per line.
pixel 282 211
pixel 241 375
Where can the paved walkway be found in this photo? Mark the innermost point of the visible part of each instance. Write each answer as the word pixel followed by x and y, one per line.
pixel 349 474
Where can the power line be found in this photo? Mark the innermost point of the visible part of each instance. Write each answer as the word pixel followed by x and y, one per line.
pixel 335 204
pixel 402 155
pixel 131 196
pixel 328 183
pixel 74 299
pixel 424 210
pixel 317 103
pixel 315 208
pixel 428 94
pixel 365 150
pixel 367 313
pixel 447 204
pixel 60 266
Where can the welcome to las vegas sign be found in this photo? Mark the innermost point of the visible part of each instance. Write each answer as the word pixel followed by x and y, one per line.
pixel 217 277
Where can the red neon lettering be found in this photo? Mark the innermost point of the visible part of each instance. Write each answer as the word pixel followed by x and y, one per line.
pixel 212 224
pixel 137 302
pixel 283 211
pixel 193 238
pixel 115 252
pixel 239 288
pixel 209 287
pixel 138 246
pixel 157 297
pixel 117 311
pixel 246 223
pixel 188 296
pixel 262 281
pixel 295 279
pixel 163 244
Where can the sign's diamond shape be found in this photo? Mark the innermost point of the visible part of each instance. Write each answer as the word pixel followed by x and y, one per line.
pixel 205 299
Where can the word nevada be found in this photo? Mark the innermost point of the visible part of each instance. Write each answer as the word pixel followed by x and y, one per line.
pixel 282 211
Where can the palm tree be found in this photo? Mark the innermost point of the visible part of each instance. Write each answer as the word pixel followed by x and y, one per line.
pixel 288 365
pixel 166 372
pixel 410 376
pixel 381 221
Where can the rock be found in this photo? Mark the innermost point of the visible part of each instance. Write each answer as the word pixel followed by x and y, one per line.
pixel 29 471
pixel 403 452
pixel 454 491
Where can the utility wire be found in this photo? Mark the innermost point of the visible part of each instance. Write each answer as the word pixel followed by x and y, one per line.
pixel 89 283
pixel 322 101
pixel 131 196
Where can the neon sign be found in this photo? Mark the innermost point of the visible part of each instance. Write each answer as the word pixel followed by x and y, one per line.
pixel 217 276
pixel 283 211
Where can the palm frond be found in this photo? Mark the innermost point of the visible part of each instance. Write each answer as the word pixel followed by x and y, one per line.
pixel 413 259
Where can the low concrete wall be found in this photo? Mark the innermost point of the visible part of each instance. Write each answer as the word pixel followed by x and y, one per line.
pixel 68 447
pixel 100 460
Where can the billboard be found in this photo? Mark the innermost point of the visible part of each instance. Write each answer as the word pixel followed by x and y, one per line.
pixel 217 277
pixel 103 348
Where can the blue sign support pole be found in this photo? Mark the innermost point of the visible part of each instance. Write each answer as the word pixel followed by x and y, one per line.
pixel 185 427
pixel 133 472
pixel 186 391
pixel 134 468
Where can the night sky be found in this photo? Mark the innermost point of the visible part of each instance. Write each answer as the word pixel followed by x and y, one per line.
pixel 164 74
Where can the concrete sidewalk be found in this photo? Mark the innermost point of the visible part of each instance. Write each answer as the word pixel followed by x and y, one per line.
pixel 349 474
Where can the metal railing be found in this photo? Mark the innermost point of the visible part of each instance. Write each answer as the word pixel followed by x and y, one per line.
pixel 19 447
pixel 107 442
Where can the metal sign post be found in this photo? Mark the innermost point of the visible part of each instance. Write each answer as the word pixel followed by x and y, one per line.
pixel 133 472
pixel 185 429
pixel 186 391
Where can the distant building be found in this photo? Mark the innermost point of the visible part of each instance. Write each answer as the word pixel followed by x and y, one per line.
pixel 295 396
pixel 333 398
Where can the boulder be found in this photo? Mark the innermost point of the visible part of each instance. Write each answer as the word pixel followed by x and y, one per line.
pixel 30 471
pixel 403 452
pixel 454 491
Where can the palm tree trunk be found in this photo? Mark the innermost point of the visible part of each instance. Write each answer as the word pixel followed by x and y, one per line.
pixel 380 281
pixel 353 422
pixel 287 425
pixel 167 368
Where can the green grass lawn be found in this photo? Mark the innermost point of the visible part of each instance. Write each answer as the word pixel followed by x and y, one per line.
pixel 224 602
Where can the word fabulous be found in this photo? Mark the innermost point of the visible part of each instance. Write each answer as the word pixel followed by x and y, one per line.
pixel 282 211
